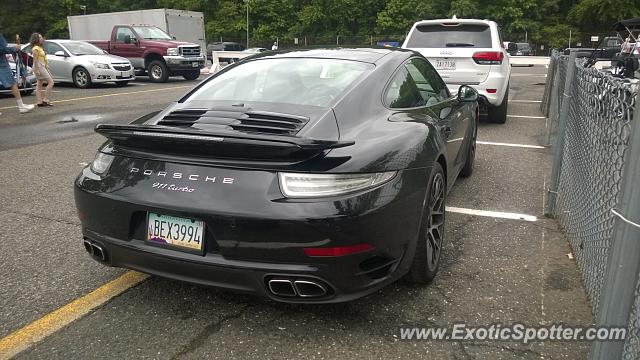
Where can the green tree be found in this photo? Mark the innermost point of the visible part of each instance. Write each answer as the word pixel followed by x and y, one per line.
pixel 398 16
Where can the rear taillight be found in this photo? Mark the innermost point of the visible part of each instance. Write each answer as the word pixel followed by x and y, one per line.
pixel 488 57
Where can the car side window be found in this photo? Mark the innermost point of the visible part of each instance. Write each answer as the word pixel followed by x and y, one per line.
pixel 432 89
pixel 402 92
pixel 52 48
pixel 121 34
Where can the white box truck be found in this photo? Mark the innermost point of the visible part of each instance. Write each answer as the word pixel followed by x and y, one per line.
pixel 160 42
pixel 182 24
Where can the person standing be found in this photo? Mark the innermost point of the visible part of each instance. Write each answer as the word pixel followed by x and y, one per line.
pixel 41 69
pixel 7 79
pixel 274 47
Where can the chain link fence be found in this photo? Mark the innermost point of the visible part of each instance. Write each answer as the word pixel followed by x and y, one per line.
pixel 591 120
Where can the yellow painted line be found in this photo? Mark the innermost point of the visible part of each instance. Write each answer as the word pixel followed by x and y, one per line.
pixel 36 331
pixel 107 95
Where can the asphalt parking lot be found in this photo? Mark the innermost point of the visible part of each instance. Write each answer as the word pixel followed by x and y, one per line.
pixel 494 270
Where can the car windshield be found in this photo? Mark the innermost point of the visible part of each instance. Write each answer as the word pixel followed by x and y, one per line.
pixel 300 81
pixel 441 36
pixel 79 48
pixel 151 33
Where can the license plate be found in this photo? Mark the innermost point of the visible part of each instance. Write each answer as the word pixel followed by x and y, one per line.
pixel 195 64
pixel 444 64
pixel 175 231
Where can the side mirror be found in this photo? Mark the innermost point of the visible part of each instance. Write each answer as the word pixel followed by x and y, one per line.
pixel 173 37
pixel 60 53
pixel 467 94
pixel 127 39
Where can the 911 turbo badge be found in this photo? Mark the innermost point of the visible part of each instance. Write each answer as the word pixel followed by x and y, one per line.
pixel 330 183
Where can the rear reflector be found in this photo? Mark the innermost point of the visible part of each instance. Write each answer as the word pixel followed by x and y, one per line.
pixel 492 91
pixel 337 251
pixel 488 57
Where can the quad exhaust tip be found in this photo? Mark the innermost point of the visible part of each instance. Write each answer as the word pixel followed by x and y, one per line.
pixel 95 250
pixel 304 288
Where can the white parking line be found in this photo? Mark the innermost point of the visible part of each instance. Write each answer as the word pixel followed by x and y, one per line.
pixel 510 144
pixel 526 117
pixel 494 214
pixel 109 95
pixel 526 101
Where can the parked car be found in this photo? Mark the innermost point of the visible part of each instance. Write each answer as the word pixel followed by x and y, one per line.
pixel 467 51
pixel 519 49
pixel 256 50
pixel 25 84
pixel 308 176
pixel 83 64
pixel 224 46
pixel 152 50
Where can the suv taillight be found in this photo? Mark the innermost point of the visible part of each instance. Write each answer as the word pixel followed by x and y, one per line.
pixel 488 57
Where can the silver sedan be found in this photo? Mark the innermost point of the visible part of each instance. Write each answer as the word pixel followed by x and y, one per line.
pixel 83 64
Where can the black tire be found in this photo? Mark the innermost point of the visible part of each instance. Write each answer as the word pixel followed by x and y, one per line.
pixel 81 78
pixel 122 83
pixel 426 259
pixel 158 71
pixel 498 114
pixel 467 170
pixel 26 92
pixel 191 75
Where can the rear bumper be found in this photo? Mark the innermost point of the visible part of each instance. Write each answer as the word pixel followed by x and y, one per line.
pixel 243 251
pixel 496 81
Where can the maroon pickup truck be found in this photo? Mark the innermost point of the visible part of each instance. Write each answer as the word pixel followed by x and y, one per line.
pixel 152 50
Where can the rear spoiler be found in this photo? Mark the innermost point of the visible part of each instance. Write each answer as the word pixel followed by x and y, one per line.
pixel 227 144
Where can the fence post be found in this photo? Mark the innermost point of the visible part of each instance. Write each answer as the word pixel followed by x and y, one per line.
pixel 623 263
pixel 550 206
pixel 552 101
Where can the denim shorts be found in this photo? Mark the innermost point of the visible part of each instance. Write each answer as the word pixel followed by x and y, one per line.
pixel 7 79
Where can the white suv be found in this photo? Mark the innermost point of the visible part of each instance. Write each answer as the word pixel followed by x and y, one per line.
pixel 467 52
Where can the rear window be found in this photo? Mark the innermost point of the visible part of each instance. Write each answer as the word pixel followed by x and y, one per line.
pixel 299 81
pixel 523 46
pixel 439 36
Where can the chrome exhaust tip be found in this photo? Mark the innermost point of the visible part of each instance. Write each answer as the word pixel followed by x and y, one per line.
pixel 307 288
pixel 282 287
pixel 98 252
pixel 88 247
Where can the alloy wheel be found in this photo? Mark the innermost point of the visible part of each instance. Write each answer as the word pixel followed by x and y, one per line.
pixel 156 72
pixel 82 78
pixel 435 222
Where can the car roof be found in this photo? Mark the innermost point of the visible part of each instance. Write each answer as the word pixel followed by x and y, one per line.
pixel 62 41
pixel 453 21
pixel 369 55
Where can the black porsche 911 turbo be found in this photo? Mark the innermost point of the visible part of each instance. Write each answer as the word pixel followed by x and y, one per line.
pixel 304 176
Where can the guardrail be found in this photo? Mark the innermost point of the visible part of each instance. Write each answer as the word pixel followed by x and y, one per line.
pixel 594 191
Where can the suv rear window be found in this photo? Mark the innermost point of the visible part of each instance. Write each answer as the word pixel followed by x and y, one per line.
pixel 439 36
